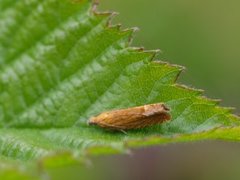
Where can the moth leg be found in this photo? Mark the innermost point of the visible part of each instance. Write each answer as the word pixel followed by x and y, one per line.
pixel 124 132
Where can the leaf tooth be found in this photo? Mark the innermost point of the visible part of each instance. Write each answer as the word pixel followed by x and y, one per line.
pixel 227 109
pixel 187 88
pixel 181 68
pixel 213 101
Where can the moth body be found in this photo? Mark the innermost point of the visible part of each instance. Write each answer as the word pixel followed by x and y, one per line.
pixel 132 118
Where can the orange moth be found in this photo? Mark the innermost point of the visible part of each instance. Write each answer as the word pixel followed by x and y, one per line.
pixel 132 118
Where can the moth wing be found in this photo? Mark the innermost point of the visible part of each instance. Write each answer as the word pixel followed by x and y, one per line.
pixel 150 112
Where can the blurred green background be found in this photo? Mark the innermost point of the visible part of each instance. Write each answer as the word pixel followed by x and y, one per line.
pixel 202 35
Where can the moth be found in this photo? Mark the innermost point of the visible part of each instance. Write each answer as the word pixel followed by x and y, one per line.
pixel 132 118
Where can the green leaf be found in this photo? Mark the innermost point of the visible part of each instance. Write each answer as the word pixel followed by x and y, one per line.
pixel 61 63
